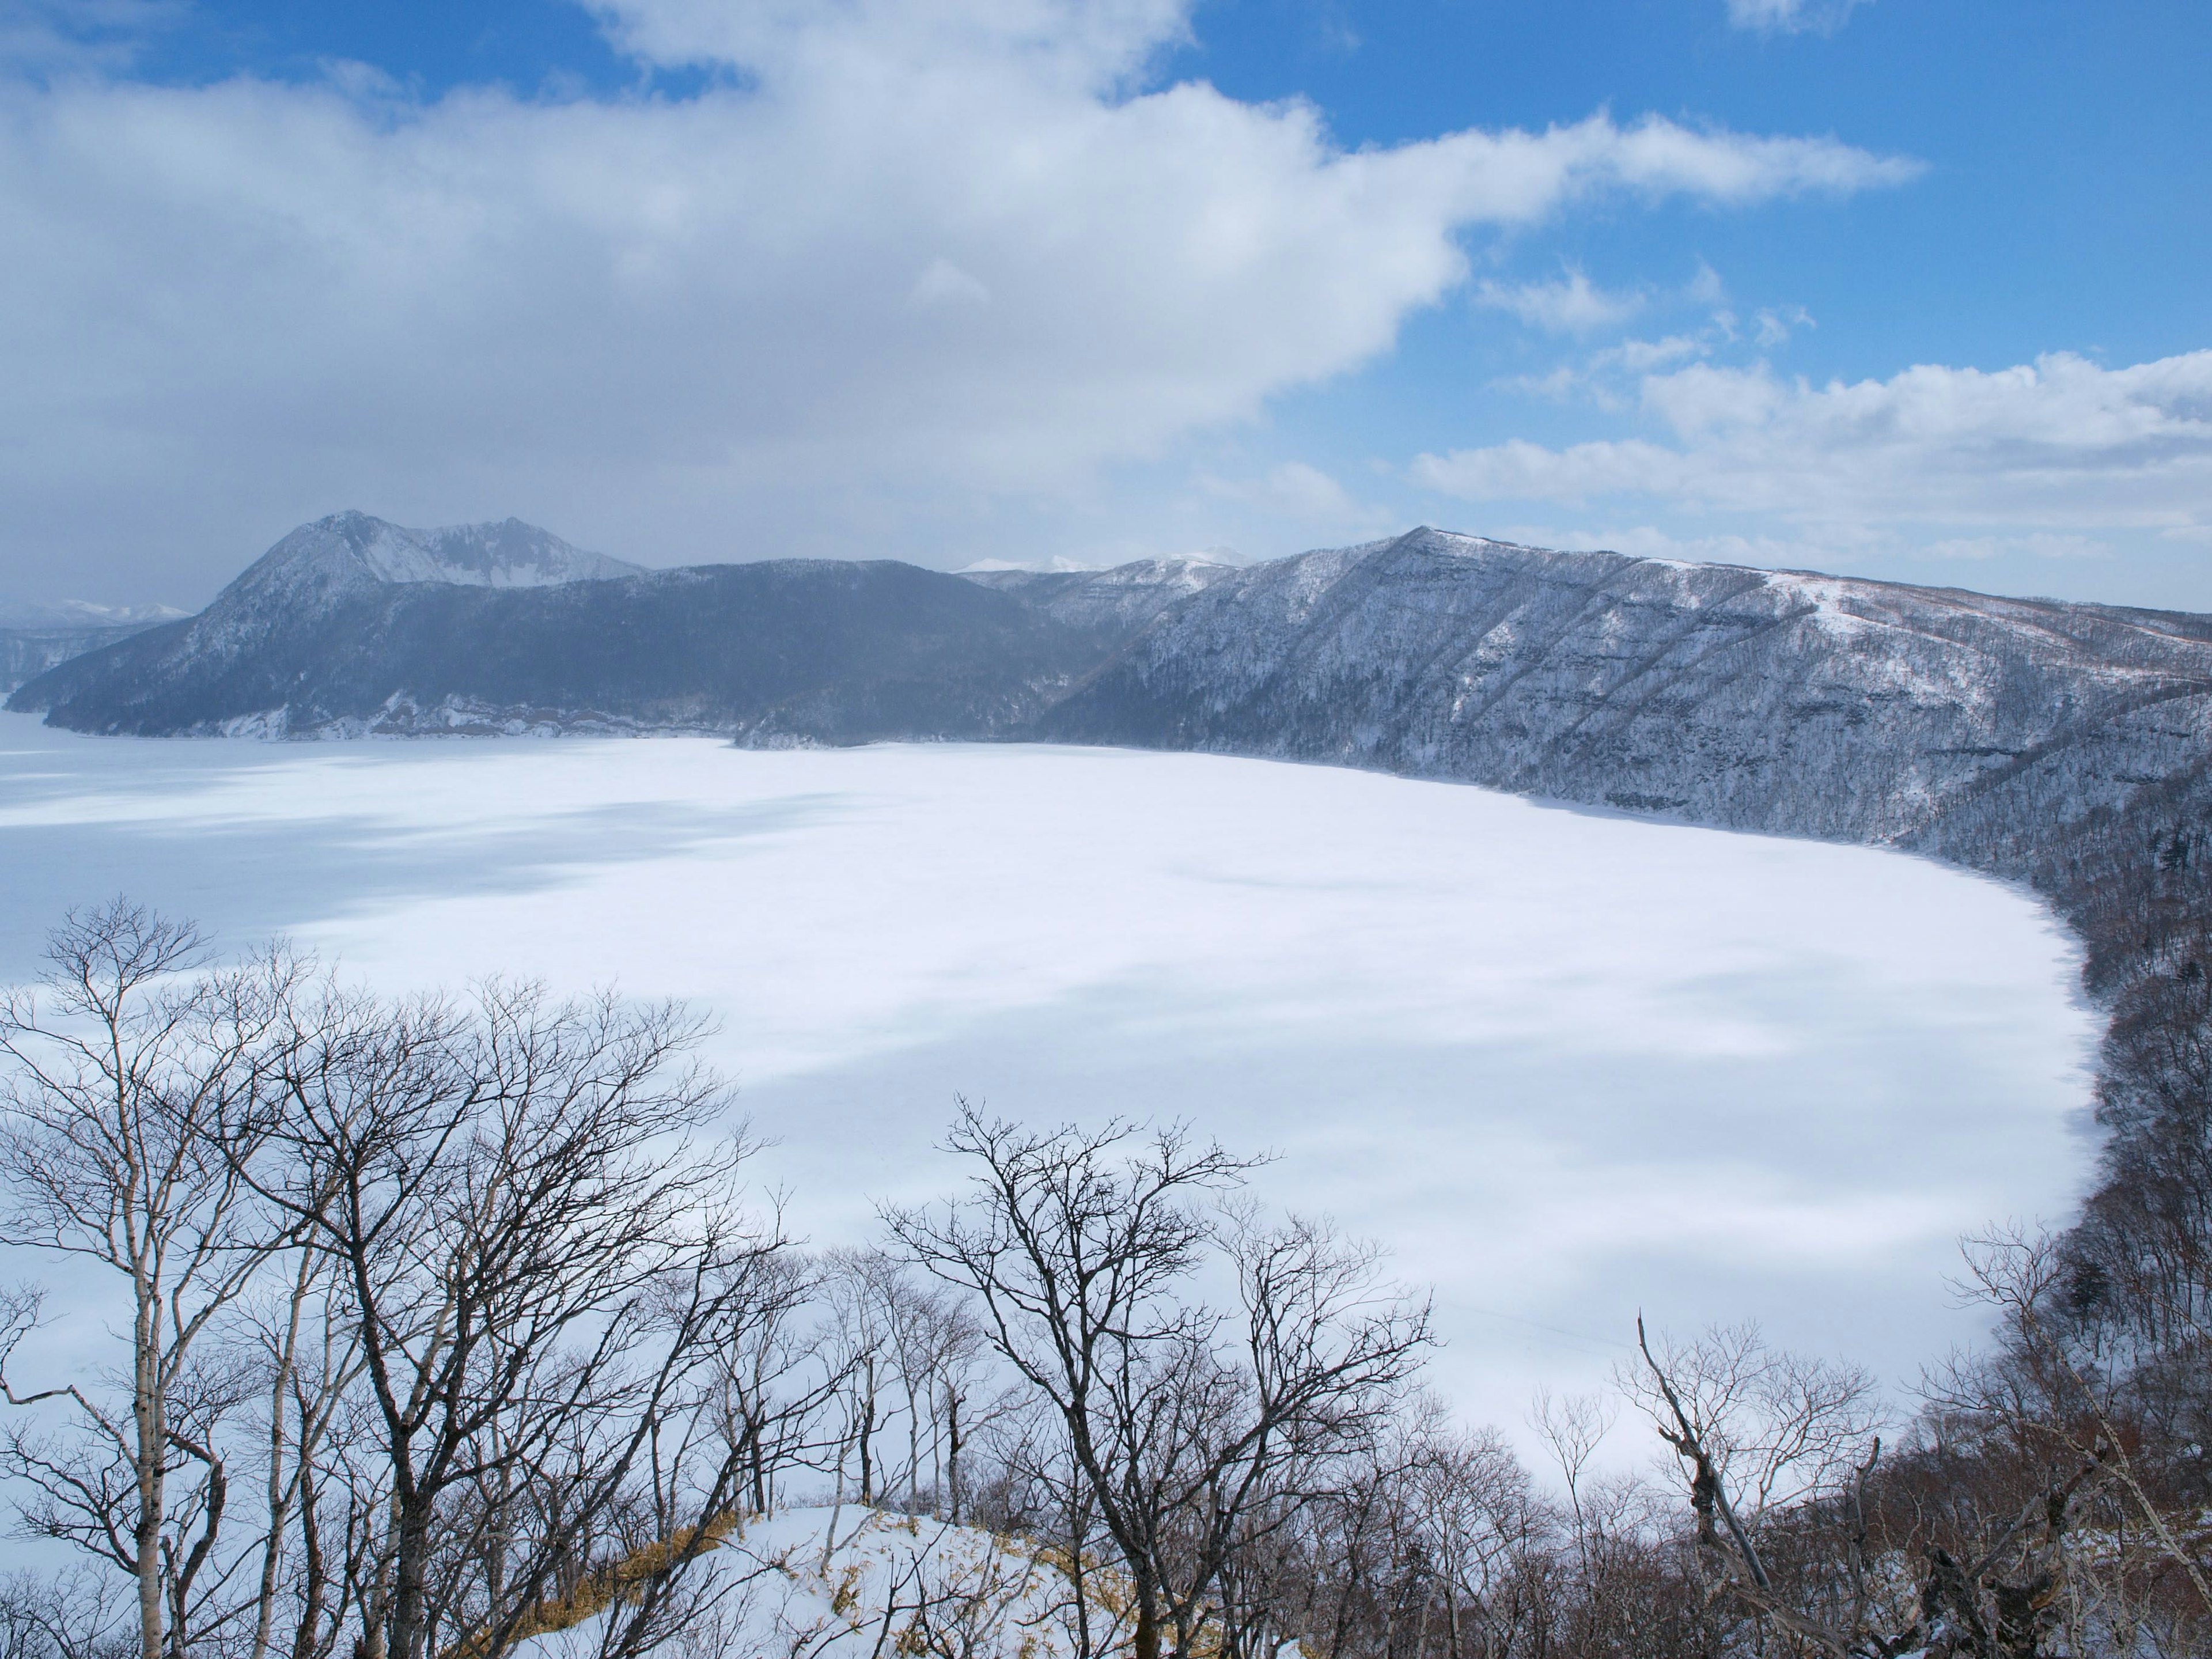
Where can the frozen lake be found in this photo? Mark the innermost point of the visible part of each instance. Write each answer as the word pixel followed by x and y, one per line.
pixel 1567 1065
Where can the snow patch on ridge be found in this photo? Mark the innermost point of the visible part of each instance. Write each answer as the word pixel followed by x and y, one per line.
pixel 841 1582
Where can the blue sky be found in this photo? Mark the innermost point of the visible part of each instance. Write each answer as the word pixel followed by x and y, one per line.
pixel 1902 288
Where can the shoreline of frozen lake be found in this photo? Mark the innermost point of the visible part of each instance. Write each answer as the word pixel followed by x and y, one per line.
pixel 1566 1064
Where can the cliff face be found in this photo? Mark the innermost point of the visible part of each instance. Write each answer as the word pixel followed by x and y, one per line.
pixel 1760 699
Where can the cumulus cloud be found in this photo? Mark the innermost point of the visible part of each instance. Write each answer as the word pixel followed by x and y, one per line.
pixel 899 258
pixel 2057 447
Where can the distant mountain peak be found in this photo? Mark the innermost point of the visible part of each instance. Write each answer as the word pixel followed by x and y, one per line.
pixel 348 548
pixel 85 614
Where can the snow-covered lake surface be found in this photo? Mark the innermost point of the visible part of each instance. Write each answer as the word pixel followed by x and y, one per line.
pixel 1566 1065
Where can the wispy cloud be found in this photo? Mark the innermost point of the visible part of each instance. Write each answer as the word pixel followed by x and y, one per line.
pixel 1569 306
pixel 1611 376
pixel 80 36
pixel 1792 17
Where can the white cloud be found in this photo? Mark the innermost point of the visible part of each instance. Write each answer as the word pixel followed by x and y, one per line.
pixel 1305 494
pixel 911 257
pixel 1771 325
pixel 1602 375
pixel 1791 16
pixel 1646 541
pixel 2037 546
pixel 75 37
pixel 2057 447
pixel 2025 560
pixel 1610 377
pixel 1641 356
pixel 1569 306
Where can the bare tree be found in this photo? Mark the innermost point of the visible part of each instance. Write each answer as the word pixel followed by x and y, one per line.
pixel 863 1290
pixel 773 1377
pixel 309 1360
pixel 1570 1427
pixel 2064 1393
pixel 1728 1404
pixel 1082 1248
pixel 131 1106
pixel 73 1615
pixel 538 1268
pixel 940 1353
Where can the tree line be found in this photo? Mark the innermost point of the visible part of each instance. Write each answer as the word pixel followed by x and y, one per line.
pixel 427 1314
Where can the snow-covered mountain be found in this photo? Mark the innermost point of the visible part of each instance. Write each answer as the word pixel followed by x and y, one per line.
pixel 1125 597
pixel 283 606
pixel 1767 700
pixel 349 547
pixel 350 624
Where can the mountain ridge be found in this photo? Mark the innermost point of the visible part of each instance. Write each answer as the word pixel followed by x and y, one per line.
pixel 1721 693
pixel 1789 701
pixel 351 626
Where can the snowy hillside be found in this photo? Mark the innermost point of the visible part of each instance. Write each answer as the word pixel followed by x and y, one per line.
pixel 1758 699
pixel 848 1582
pixel 1127 596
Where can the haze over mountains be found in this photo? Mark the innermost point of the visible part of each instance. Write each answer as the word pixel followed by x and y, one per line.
pixel 35 637
pixel 1758 699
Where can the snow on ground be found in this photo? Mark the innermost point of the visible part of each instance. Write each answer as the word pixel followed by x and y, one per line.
pixel 847 1582
pixel 1567 1064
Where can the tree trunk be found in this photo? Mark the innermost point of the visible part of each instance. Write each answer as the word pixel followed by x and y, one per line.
pixel 408 1588
pixel 151 1422
pixel 952 1454
pixel 279 1490
pixel 313 1575
pixel 1146 1643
